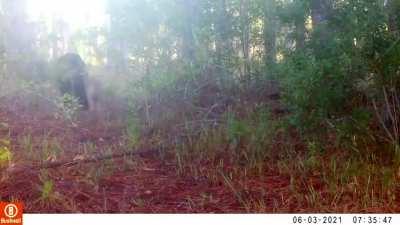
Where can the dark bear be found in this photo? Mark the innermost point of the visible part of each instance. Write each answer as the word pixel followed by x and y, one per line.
pixel 71 77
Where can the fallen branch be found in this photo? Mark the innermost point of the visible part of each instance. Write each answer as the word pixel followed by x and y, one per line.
pixel 70 163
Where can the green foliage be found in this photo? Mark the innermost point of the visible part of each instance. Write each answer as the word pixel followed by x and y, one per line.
pixel 334 79
pixel 5 153
pixel 293 11
pixel 48 195
pixel 133 132
pixel 355 130
pixel 5 146
pixel 313 162
pixel 47 190
pixel 237 130
pixel 312 94
pixel 252 138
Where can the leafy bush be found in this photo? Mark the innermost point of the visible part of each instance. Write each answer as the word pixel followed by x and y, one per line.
pixel 312 94
pixel 5 153
pixel 340 83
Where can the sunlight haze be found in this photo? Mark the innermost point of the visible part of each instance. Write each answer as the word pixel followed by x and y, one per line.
pixel 77 14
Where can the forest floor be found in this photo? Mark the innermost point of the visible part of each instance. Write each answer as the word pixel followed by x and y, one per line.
pixel 149 182
pixel 137 183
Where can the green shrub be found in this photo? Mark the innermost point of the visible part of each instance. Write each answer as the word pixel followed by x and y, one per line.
pixel 334 83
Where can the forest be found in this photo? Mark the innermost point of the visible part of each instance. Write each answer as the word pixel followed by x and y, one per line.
pixel 200 106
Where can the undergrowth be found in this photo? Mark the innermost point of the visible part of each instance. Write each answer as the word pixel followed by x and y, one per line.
pixel 339 168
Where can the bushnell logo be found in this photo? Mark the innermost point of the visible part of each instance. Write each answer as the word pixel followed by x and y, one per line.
pixel 11 213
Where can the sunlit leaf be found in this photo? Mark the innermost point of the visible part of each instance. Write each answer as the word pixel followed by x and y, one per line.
pixel 5 155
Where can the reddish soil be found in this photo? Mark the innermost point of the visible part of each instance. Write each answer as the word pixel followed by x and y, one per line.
pixel 151 185
pixel 144 183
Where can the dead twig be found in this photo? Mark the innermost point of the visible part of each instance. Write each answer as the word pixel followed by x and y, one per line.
pixel 71 163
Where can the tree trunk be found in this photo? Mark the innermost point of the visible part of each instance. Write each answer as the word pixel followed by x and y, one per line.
pixel 320 10
pixel 300 34
pixel 393 8
pixel 245 24
pixel 188 45
pixel 320 13
pixel 269 32
pixel 222 30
